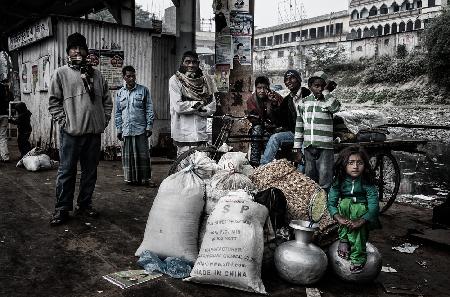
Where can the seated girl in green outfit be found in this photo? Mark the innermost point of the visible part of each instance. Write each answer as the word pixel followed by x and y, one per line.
pixel 353 203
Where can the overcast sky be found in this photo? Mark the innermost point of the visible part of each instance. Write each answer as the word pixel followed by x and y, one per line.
pixel 266 11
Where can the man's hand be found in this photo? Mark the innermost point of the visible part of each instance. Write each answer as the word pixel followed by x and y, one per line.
pixel 331 85
pixel 355 224
pixel 148 133
pixel 297 155
pixel 119 136
pixel 197 106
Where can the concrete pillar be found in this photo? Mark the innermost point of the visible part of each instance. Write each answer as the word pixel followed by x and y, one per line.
pixel 241 87
pixel 186 23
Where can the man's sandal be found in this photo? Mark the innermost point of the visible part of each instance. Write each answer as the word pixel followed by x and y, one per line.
pixel 356 268
pixel 344 250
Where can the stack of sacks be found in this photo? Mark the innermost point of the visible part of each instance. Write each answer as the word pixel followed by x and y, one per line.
pixel 297 187
pixel 228 178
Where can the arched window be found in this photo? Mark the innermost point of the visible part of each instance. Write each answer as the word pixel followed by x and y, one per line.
pixel 384 9
pixel 405 5
pixel 373 11
pixel 417 24
pixel 394 28
pixel 379 30
pixel 409 26
pixel 395 7
pixel 419 4
pixel 355 15
pixel 359 33
pixel 366 32
pixel 373 31
pixel 364 13
pixel 387 29
pixel 401 27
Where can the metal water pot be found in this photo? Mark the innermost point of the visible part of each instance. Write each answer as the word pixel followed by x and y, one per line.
pixel 300 261
pixel 342 267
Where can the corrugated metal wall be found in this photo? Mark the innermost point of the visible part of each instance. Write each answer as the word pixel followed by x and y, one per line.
pixel 138 48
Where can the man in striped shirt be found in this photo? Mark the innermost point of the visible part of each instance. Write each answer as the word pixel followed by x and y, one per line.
pixel 314 129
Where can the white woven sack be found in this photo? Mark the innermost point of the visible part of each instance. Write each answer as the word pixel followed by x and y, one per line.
pixel 232 249
pixel 35 163
pixel 173 221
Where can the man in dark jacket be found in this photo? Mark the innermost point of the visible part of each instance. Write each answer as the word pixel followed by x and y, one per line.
pixel 285 115
pixel 5 97
pixel 259 110
pixel 23 122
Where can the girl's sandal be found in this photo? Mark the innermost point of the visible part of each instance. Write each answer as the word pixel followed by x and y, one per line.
pixel 356 268
pixel 344 250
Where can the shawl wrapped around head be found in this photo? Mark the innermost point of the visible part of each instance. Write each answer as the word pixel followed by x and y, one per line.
pixel 196 89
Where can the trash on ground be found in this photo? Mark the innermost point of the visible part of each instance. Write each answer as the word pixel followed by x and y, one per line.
pixel 422 263
pixel 406 248
pixel 400 291
pixel 174 267
pixel 388 269
pixel 128 278
pixel 313 292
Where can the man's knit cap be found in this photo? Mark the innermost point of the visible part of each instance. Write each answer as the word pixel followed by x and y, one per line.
pixel 76 39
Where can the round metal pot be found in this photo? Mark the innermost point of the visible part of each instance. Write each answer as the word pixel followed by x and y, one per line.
pixel 342 267
pixel 300 261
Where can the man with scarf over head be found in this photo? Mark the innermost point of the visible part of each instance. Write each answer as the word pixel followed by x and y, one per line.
pixel 286 114
pixel 191 102
pixel 80 102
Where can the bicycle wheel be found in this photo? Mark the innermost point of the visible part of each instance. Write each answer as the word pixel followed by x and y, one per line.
pixel 387 175
pixel 182 161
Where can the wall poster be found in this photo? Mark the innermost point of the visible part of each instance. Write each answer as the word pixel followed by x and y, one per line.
pixel 242 50
pixel 240 5
pixel 109 63
pixel 25 77
pixel 34 77
pixel 241 24
pixel 222 77
pixel 223 49
pixel 44 73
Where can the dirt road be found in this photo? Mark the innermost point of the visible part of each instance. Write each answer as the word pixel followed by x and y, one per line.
pixel 37 260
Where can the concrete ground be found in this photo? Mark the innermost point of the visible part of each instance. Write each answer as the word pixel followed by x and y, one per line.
pixel 70 260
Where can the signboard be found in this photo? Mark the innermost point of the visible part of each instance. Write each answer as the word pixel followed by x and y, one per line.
pixel 109 63
pixel 30 34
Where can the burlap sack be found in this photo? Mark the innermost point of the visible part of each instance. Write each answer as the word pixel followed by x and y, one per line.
pixel 297 187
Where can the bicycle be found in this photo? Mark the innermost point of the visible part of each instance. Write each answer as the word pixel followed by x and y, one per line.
pixel 216 150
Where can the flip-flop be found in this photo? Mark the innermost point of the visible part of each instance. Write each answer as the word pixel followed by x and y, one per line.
pixel 356 268
pixel 344 250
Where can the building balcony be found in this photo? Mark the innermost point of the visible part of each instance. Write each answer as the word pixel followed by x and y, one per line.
pixel 385 17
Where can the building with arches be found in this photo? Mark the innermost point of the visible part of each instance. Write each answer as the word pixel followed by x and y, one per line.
pixel 368 28
pixel 379 27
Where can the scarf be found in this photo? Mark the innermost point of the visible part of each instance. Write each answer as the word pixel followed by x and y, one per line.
pixel 86 73
pixel 195 89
